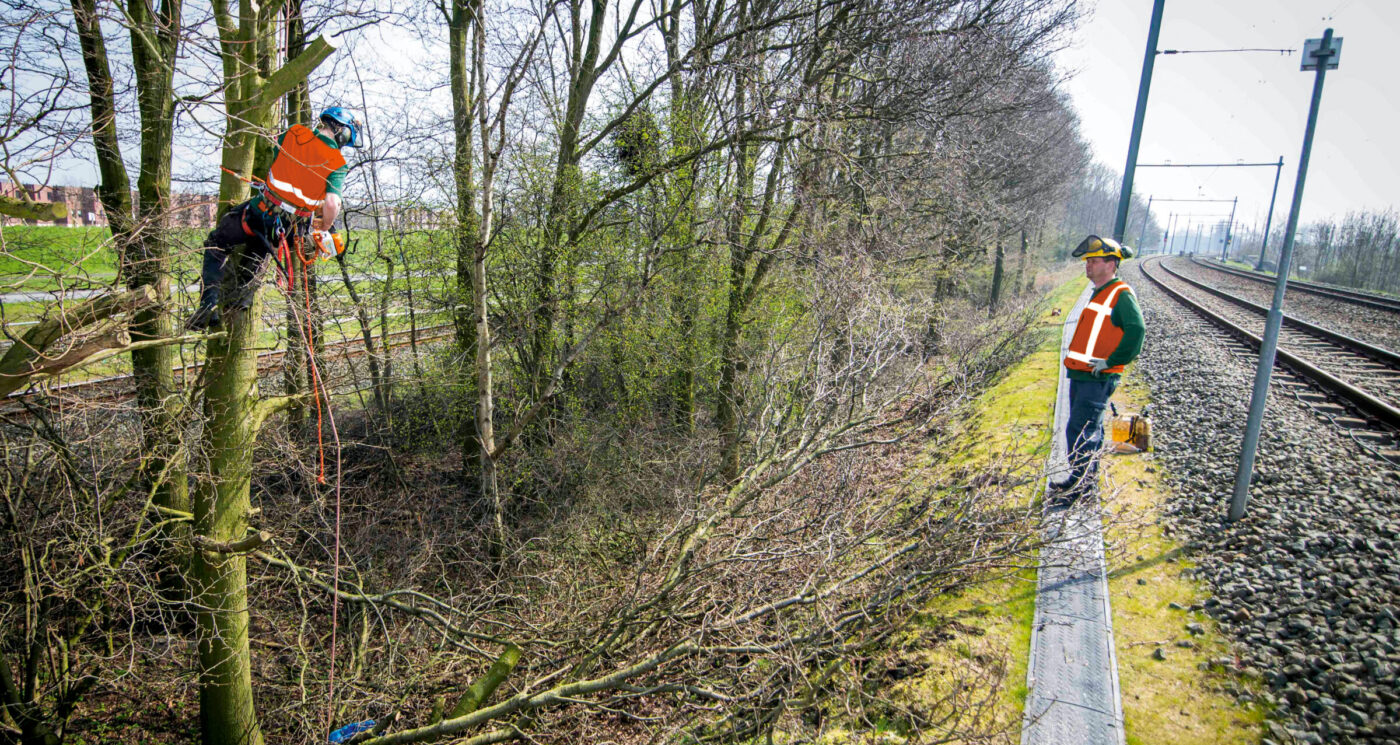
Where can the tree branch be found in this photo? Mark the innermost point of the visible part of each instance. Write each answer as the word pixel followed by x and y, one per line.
pixel 247 544
pixel 488 683
pixel 27 210
pixel 286 77
pixel 25 358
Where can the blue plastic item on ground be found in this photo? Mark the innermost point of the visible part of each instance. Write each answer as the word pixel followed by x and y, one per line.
pixel 350 730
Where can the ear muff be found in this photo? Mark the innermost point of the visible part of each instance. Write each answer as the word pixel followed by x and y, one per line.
pixel 345 127
pixel 1096 246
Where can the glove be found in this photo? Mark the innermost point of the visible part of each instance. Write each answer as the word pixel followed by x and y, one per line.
pixel 1100 366
pixel 328 243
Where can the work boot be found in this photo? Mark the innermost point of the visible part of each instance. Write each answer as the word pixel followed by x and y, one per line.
pixel 205 317
pixel 1064 494
pixel 1065 499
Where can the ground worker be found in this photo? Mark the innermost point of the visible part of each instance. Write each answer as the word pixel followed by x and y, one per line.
pixel 1107 336
pixel 307 174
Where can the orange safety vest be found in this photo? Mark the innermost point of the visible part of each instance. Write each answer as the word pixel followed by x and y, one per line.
pixel 304 162
pixel 1095 336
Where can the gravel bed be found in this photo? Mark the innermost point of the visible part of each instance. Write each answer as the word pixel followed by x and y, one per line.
pixel 1367 324
pixel 1330 356
pixel 1307 585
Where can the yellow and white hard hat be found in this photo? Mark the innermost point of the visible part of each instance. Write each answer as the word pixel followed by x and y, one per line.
pixel 1096 246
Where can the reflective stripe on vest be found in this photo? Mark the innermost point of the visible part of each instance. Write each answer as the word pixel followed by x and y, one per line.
pixel 1092 341
pixel 304 162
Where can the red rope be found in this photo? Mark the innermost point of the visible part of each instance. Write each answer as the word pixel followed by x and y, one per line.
pixel 311 358
pixel 296 255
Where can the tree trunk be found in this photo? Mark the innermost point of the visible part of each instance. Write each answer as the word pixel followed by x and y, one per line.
pixel 464 13
pixel 727 405
pixel 295 370
pixel 233 410
pixel 682 200
pixel 1031 264
pixel 564 192
pixel 220 581
pixel 727 409
pixel 1016 285
pixel 997 272
pixel 143 242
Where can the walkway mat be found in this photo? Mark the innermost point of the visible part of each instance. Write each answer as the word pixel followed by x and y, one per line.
pixel 1072 679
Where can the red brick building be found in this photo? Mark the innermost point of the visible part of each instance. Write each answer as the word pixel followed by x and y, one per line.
pixel 85 209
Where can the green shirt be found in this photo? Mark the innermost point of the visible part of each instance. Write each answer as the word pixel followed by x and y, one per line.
pixel 335 182
pixel 1128 317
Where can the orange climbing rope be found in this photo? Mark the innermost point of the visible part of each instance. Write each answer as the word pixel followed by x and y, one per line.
pixel 241 177
pixel 295 254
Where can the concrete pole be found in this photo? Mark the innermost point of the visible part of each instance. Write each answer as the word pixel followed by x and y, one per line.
pixel 1146 218
pixel 1270 343
pixel 1264 249
pixel 1125 195
pixel 1229 229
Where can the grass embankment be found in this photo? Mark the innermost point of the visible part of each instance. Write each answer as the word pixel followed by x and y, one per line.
pixel 982 636
pixel 44 259
pixel 35 255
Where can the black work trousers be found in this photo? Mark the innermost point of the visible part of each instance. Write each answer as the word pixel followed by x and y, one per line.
pixel 266 228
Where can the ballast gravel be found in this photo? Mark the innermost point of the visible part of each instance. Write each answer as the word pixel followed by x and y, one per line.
pixel 1307 585
pixel 1378 327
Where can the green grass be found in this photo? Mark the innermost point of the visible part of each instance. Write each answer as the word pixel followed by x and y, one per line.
pixel 1171 700
pixel 51 258
pixel 40 256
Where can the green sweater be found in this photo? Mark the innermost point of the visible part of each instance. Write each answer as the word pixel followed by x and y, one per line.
pixel 1128 317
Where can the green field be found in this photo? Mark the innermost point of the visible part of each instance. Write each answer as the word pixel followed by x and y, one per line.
pixel 34 255
pixel 45 259
pixel 52 258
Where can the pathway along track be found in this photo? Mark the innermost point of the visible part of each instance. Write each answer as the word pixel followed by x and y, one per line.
pixel 118 388
pixel 1369 300
pixel 1354 385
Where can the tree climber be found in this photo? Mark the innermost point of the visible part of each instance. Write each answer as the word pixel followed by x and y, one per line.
pixel 1107 336
pixel 307 173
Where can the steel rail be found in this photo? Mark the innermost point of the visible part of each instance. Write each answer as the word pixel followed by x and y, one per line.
pixel 1352 296
pixel 1353 344
pixel 1363 401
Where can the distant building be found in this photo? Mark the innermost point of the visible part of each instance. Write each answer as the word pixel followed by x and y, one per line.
pixel 85 209
pixel 200 210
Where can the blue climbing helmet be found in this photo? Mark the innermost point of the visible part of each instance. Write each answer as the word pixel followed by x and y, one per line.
pixel 345 126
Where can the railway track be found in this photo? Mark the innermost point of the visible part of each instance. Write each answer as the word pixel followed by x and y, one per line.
pixel 1354 385
pixel 1369 300
pixel 117 388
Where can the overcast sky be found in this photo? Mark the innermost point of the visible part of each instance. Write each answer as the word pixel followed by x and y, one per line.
pixel 1249 107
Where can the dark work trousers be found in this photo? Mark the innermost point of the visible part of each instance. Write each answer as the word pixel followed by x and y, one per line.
pixel 1084 430
pixel 224 238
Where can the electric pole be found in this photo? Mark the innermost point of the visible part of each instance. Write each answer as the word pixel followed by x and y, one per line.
pixel 1120 222
pixel 1319 55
